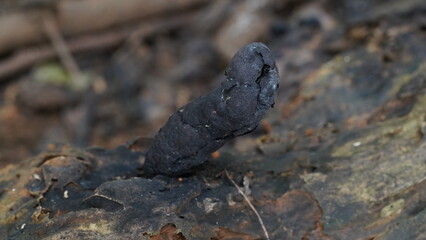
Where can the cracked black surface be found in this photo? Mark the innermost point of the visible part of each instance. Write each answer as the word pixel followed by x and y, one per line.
pixel 205 124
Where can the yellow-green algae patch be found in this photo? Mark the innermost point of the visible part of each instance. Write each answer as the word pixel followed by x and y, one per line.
pixel 386 159
pixel 379 161
pixel 321 80
pixel 394 208
pixel 400 81
pixel 405 128
pixel 101 226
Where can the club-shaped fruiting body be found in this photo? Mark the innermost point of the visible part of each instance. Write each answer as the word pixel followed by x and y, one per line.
pixel 205 124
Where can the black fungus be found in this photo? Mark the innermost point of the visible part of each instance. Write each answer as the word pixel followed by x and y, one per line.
pixel 205 124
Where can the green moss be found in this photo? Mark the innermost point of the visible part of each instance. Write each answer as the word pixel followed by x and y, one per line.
pixel 54 73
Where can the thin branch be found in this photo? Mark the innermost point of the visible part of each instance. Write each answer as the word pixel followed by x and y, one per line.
pixel 51 28
pixel 250 204
pixel 21 27
pixel 24 59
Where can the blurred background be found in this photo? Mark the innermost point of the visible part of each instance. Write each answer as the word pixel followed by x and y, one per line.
pixel 102 72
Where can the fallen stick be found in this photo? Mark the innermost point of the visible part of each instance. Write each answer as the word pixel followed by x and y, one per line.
pixel 26 58
pixel 51 27
pixel 24 27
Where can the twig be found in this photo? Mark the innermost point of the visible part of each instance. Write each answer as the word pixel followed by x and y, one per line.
pixel 250 204
pixel 26 58
pixel 60 46
pixel 21 27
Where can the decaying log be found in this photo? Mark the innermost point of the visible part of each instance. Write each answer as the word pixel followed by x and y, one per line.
pixel 343 156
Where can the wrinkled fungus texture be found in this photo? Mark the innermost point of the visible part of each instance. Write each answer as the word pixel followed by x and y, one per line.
pixel 205 124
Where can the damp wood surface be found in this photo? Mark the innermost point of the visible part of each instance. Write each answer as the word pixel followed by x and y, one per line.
pixel 342 155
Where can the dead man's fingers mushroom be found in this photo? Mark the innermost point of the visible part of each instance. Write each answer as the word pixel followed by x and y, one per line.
pixel 205 124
